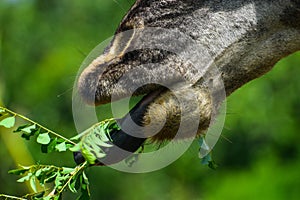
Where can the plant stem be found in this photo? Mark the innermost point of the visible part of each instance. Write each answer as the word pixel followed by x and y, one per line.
pixel 41 126
pixel 77 170
pixel 11 197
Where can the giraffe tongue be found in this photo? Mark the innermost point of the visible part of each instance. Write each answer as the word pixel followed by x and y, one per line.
pixel 124 144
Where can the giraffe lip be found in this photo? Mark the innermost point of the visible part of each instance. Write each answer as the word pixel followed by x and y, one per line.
pixel 96 86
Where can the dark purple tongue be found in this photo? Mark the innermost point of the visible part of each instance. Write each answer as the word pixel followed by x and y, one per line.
pixel 121 140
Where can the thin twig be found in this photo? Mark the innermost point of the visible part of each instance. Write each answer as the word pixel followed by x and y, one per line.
pixel 81 167
pixel 33 122
pixel 11 197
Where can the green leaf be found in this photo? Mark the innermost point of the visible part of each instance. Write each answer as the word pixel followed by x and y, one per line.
pixel 76 137
pixel 57 181
pixel 83 186
pixel 89 157
pixel 43 173
pixel 67 170
pixel 25 178
pixel 38 172
pixel 43 138
pixel 27 134
pixel 51 177
pixel 206 159
pixel 94 148
pixel 72 185
pixel 115 126
pixel 33 183
pixel 60 180
pixel 76 147
pixel 48 148
pixel 75 183
pixel 85 178
pixel 61 147
pixel 98 140
pixel 68 145
pixel 8 122
pixel 18 171
pixel 29 129
pixel 94 140
pixel 85 193
pixel 19 129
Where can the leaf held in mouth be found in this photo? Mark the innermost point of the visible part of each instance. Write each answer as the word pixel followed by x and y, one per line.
pixel 95 139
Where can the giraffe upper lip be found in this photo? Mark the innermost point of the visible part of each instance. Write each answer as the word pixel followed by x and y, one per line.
pixel 100 85
pixel 106 81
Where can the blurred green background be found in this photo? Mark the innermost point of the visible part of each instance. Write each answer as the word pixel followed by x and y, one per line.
pixel 42 45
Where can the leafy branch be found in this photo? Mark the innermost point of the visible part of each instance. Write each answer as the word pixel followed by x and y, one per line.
pixel 89 142
pixel 9 122
pixel 60 177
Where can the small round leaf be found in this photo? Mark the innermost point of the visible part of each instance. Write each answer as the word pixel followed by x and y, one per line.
pixel 43 138
pixel 8 122
pixel 61 147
